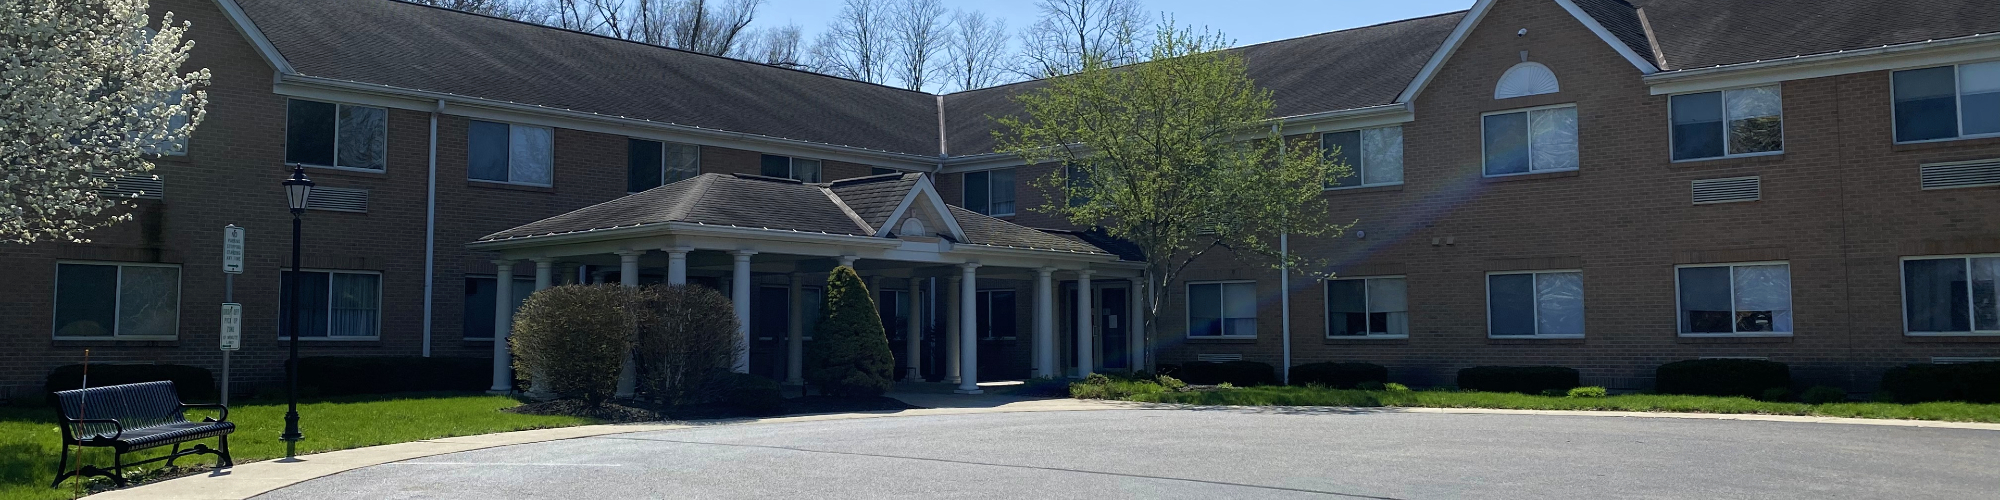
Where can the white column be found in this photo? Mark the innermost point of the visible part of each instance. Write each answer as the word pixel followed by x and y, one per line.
pixel 628 275
pixel 740 293
pixel 951 316
pixel 1085 356
pixel 968 330
pixel 503 324
pixel 1045 323
pixel 677 265
pixel 913 333
pixel 1135 325
pixel 795 333
pixel 544 278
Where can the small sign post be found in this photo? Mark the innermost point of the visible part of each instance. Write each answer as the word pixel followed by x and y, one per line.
pixel 232 312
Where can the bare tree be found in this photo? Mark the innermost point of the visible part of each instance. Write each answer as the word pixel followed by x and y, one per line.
pixel 918 30
pixel 1073 35
pixel 780 46
pixel 856 45
pixel 976 50
pixel 710 27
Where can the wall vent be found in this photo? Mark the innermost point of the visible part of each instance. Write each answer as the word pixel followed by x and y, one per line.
pixel 1962 174
pixel 1957 360
pixel 338 200
pixel 1728 190
pixel 147 187
pixel 1218 358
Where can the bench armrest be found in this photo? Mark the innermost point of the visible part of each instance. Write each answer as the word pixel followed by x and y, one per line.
pixel 112 421
pixel 225 410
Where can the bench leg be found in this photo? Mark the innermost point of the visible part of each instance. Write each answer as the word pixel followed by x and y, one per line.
pixel 171 455
pixel 62 465
pixel 118 468
pixel 223 459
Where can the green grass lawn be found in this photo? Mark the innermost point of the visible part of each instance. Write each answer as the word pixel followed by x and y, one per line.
pixel 1314 396
pixel 29 441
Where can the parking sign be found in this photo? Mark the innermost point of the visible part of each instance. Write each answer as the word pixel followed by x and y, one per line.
pixel 232 249
pixel 232 326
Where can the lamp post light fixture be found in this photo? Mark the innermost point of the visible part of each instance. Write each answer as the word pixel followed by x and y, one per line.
pixel 297 189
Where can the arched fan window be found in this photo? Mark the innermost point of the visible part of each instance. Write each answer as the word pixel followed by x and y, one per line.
pixel 1526 79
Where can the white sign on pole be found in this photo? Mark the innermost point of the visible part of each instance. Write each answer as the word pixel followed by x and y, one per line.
pixel 232 249
pixel 232 326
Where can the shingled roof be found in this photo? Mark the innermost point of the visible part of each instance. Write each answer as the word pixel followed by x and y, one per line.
pixel 1704 33
pixel 753 201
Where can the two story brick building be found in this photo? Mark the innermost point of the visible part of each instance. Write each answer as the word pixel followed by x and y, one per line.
pixel 1602 184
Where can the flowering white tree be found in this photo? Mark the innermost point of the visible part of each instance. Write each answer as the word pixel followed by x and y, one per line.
pixel 89 92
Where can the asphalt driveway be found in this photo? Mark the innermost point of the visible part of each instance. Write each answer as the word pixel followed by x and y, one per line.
pixel 1220 453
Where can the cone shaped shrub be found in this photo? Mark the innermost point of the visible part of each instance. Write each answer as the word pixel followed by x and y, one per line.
pixel 575 337
pixel 686 339
pixel 849 354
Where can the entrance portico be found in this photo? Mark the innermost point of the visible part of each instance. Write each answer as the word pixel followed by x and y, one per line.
pixel 745 233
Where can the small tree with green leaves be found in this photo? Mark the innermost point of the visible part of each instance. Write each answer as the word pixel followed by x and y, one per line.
pixel 849 354
pixel 1177 154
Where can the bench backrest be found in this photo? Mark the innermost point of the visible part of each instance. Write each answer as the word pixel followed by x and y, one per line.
pixel 144 404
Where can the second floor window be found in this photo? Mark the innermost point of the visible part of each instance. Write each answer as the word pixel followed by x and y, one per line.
pixel 990 192
pixel 787 167
pixel 336 135
pixel 1530 140
pixel 517 154
pixel 1728 123
pixel 1947 102
pixel 1374 157
pixel 651 164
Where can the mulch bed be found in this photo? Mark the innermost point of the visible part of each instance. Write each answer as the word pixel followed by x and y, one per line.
pixel 609 411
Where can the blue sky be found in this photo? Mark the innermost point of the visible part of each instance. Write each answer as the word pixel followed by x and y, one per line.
pixel 1246 21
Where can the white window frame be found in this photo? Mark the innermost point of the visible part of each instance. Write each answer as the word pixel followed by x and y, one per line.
pixel 1487 282
pixel 663 158
pixel 1903 289
pixel 461 334
pixel 1360 170
pixel 1188 319
pixel 1723 94
pixel 336 135
pixel 381 283
pixel 1366 301
pixel 1958 99
pixel 791 167
pixel 1531 140
pixel 985 296
pixel 963 185
pixel 510 153
pixel 1680 320
pixel 118 298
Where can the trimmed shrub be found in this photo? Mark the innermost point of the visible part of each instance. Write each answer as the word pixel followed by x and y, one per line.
pixel 1820 394
pixel 1242 373
pixel 1395 387
pixel 849 355
pixel 1169 382
pixel 1968 382
pixel 195 384
pixel 1521 379
pixel 1339 375
pixel 686 339
pixel 1775 394
pixel 750 394
pixel 350 375
pixel 1370 385
pixel 1587 392
pixel 574 339
pixel 1749 378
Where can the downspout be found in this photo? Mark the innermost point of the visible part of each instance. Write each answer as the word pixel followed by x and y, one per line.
pixel 944 151
pixel 1284 280
pixel 430 228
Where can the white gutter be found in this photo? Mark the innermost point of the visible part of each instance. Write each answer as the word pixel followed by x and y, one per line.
pixel 430 229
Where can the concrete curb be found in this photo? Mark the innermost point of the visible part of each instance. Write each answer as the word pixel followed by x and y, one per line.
pixel 255 478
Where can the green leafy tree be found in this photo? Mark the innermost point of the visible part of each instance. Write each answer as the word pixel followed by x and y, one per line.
pixel 1177 154
pixel 849 355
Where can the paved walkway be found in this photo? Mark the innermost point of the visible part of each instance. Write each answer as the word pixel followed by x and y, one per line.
pixel 251 479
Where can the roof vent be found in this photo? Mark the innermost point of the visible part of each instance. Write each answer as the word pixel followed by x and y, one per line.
pixel 145 187
pixel 1962 174
pixel 1728 190
pixel 333 199
pixel 1218 358
pixel 1526 79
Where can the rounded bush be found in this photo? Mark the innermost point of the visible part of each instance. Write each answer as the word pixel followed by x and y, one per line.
pixel 1395 387
pixel 574 339
pixel 1370 385
pixel 1922 382
pixel 849 355
pixel 1339 375
pixel 1521 379
pixel 1587 392
pixel 1820 394
pixel 686 338
pixel 1749 378
pixel 1775 394
pixel 1240 373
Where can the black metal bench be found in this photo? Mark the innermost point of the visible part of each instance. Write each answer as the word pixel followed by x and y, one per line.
pixel 133 417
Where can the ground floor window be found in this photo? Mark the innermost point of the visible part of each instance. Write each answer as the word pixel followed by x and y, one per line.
pixel 480 292
pixel 112 300
pixel 1952 295
pixel 996 314
pixel 1367 307
pixel 333 304
pixel 1226 309
pixel 1735 298
pixel 1535 304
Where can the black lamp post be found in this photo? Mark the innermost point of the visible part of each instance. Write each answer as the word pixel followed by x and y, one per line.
pixel 297 189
